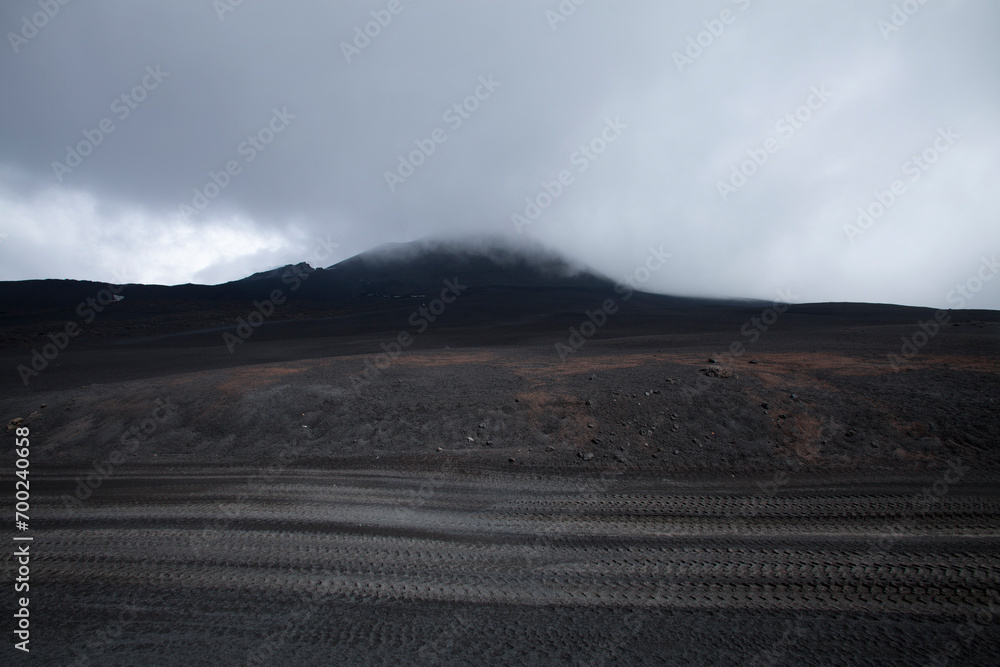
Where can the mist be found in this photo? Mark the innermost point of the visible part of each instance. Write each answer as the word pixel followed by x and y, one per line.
pixel 836 151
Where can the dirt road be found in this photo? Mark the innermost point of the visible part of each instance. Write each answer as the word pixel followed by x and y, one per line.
pixel 217 566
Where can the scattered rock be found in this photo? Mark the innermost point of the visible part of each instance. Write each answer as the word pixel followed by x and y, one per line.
pixel 754 361
pixel 590 426
pixel 596 441
pixel 588 456
pixel 717 372
pixel 440 449
pixel 470 438
pixel 766 406
pixel 482 424
pixel 646 393
pixel 713 360
pixel 794 397
pixel 489 443
pixel 14 423
pixel 593 377
pixel 512 460
pixel 676 452
pixel 588 402
pixel 550 448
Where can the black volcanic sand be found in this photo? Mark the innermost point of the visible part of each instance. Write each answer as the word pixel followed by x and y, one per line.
pixel 482 499
pixel 829 401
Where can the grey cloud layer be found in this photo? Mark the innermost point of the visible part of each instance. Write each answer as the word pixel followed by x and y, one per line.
pixel 701 88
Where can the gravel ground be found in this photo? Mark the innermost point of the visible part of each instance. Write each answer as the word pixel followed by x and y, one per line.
pixel 802 503
pixel 257 567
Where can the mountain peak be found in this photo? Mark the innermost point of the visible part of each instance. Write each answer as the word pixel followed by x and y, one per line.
pixel 301 267
pixel 417 267
pixel 473 253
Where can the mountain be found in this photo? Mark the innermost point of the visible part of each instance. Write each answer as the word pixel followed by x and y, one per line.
pixel 390 270
pixel 492 262
pixel 506 288
pixel 275 273
pixel 403 270
pixel 499 280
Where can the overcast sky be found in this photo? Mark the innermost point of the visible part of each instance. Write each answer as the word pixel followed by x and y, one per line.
pixel 741 136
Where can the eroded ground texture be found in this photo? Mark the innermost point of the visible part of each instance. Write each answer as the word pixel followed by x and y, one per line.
pixel 801 503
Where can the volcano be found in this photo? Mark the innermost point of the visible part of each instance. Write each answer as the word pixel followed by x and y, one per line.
pixel 508 293
pixel 495 433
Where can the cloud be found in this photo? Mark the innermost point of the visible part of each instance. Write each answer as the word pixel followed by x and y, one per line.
pixel 324 174
pixel 79 236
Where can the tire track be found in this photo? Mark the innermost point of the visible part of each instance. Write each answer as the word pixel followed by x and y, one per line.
pixel 524 546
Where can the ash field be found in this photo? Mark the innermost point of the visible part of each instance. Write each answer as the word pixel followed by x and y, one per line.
pixel 420 456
